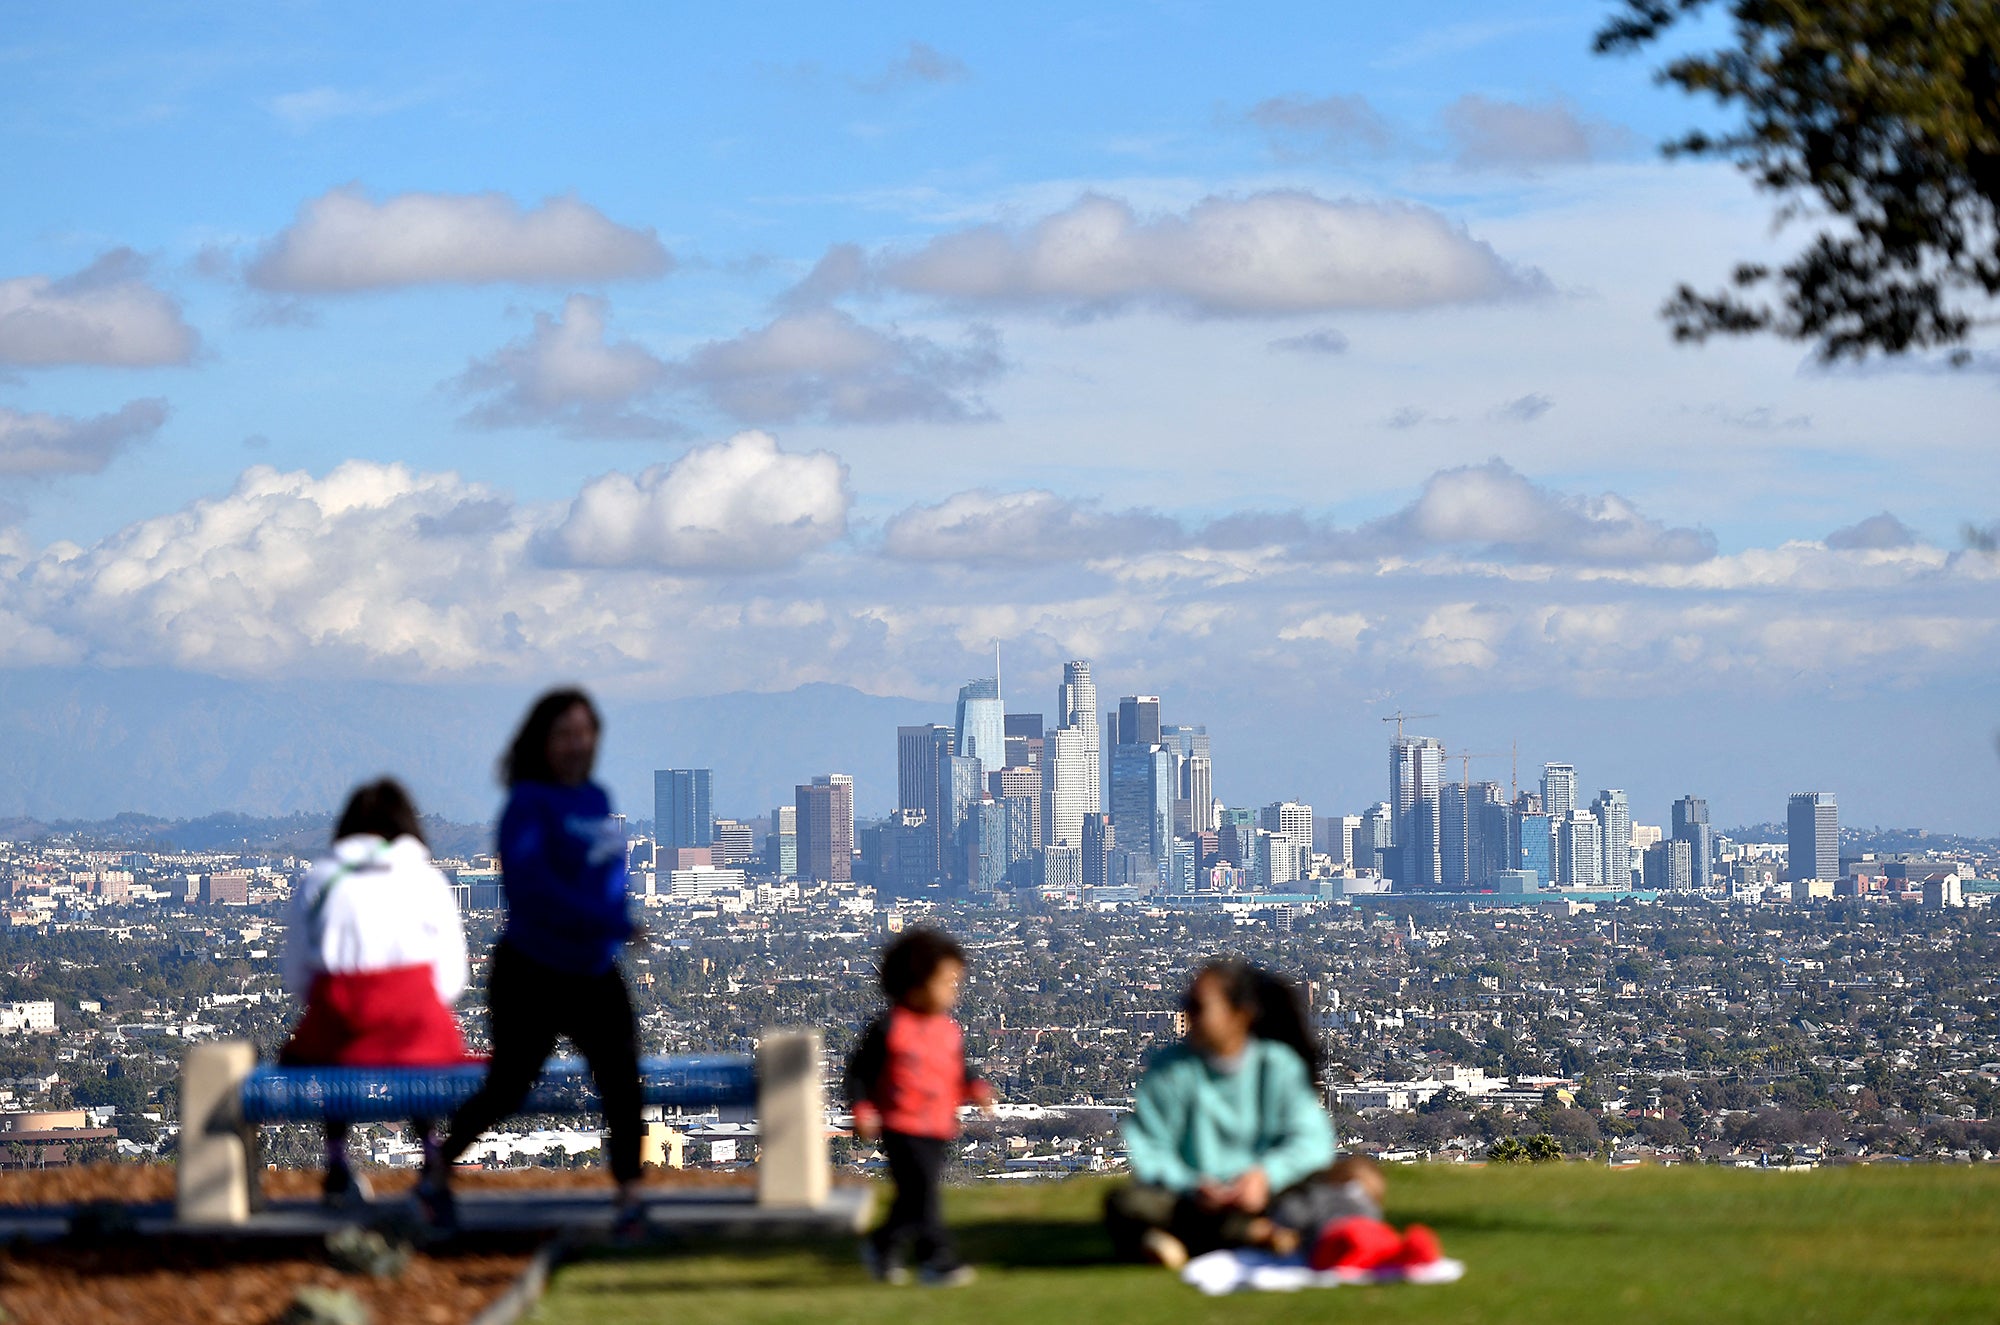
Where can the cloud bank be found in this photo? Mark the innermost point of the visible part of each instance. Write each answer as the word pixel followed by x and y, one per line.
pixel 108 314
pixel 44 445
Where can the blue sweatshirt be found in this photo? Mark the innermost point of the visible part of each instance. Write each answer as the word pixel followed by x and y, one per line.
pixel 1193 1121
pixel 562 864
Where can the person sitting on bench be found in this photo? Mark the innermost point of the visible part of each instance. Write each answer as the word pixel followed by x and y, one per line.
pixel 374 946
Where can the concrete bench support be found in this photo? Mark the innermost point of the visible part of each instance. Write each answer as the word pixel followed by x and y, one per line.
pixel 217 1178
pixel 791 1121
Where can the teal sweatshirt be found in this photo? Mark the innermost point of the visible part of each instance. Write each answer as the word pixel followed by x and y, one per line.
pixel 1192 1122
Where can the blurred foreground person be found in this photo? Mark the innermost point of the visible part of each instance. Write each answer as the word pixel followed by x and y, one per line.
pixel 374 945
pixel 555 969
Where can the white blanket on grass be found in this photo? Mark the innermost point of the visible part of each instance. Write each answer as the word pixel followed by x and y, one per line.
pixel 1236 1271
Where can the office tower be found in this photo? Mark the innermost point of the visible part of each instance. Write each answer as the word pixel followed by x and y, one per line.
pixel 1139 720
pixel 1455 833
pixel 733 842
pixel 896 855
pixel 1578 840
pixel 1100 840
pixel 781 848
pixel 1813 834
pixel 960 784
pixel 1489 840
pixel 1142 800
pixel 987 840
pixel 920 752
pixel 1025 739
pixel 1062 867
pixel 1667 866
pixel 1691 827
pixel 1377 841
pixel 1294 822
pixel 1076 707
pixel 1199 787
pixel 1334 835
pixel 1183 868
pixel 825 819
pixel 1236 837
pixel 1069 782
pixel 1614 824
pixel 982 724
pixel 1274 861
pixel 1021 783
pixel 1537 845
pixel 683 814
pixel 1558 790
pixel 1416 775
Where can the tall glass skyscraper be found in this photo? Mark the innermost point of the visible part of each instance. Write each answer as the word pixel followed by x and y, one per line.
pixel 982 725
pixel 1691 827
pixel 1559 790
pixel 683 811
pixel 1537 847
pixel 1076 706
pixel 1142 800
pixel 1416 776
pixel 1614 826
pixel 1069 783
pixel 1813 836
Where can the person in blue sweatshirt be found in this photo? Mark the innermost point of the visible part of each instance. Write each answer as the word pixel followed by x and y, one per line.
pixel 555 969
pixel 1226 1131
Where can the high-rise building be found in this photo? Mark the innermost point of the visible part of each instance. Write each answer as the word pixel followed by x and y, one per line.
pixel 1076 707
pixel 825 817
pixel 1100 841
pixel 1142 800
pixel 1559 790
pixel 1812 822
pixel 1019 782
pixel 1139 720
pixel 1198 782
pixel 1691 827
pixel 1536 833
pixel 1579 839
pixel 1062 866
pixel 1490 824
pixel 959 786
pixel 987 841
pixel 897 854
pixel 1025 740
pixel 1292 821
pixel 1275 861
pixel 1456 829
pixel 733 842
pixel 1668 866
pixel 1614 824
pixel 982 724
pixel 1416 777
pixel 781 848
pixel 1069 784
pixel 683 811
pixel 1236 836
pixel 1374 848
pixel 920 755
pixel 1334 835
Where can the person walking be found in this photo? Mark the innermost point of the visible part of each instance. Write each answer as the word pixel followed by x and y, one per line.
pixel 555 969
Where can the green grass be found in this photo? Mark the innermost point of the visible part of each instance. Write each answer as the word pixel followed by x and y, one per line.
pixel 1553 1244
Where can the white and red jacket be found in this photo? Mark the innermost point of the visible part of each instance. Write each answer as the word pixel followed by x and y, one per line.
pixel 375 946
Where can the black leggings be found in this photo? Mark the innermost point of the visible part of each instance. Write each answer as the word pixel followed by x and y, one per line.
pixel 916 1217
pixel 528 1005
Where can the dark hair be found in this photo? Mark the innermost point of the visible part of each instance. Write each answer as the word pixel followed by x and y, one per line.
pixel 382 808
pixel 1280 1016
pixel 913 959
pixel 527 759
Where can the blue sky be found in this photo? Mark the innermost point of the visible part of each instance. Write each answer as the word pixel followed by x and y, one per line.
pixel 423 343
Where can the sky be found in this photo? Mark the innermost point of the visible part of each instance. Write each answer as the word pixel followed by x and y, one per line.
pixel 1298 363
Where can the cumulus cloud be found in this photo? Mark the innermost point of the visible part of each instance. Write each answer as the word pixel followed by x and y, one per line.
pixel 1268 254
pixel 1494 507
pixel 567 372
pixel 106 314
pixel 1324 341
pixel 920 63
pixel 1490 134
pixel 1325 126
pixel 1524 409
pixel 1877 533
pixel 344 241
pixel 816 363
pixel 742 504
pixel 822 363
pixel 43 445
pixel 1016 527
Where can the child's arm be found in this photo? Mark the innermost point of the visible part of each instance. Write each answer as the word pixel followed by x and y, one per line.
pixel 864 1069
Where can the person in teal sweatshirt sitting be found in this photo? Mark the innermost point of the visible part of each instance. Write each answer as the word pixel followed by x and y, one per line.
pixel 1225 1123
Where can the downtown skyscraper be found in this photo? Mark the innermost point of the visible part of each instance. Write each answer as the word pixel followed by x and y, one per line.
pixel 683 807
pixel 1812 824
pixel 1076 708
pixel 1416 785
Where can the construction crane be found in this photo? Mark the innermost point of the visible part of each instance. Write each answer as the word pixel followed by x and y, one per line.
pixel 1512 753
pixel 1400 717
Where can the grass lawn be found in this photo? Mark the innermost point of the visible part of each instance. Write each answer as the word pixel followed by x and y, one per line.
pixel 1555 1243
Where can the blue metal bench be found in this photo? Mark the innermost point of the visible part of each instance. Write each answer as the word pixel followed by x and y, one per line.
pixel 226 1096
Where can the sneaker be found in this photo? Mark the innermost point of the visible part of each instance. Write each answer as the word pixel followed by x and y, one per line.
pixel 1163 1248
pixel 344 1189
pixel 883 1269
pixel 947 1276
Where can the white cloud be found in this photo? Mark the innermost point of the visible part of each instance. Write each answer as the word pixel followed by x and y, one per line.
pixel 41 445
pixel 1491 134
pixel 344 241
pixel 822 363
pixel 1022 527
pixel 741 504
pixel 567 372
pixel 106 314
pixel 1876 533
pixel 1267 254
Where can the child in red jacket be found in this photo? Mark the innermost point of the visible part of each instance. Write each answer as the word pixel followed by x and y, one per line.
pixel 905 1082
